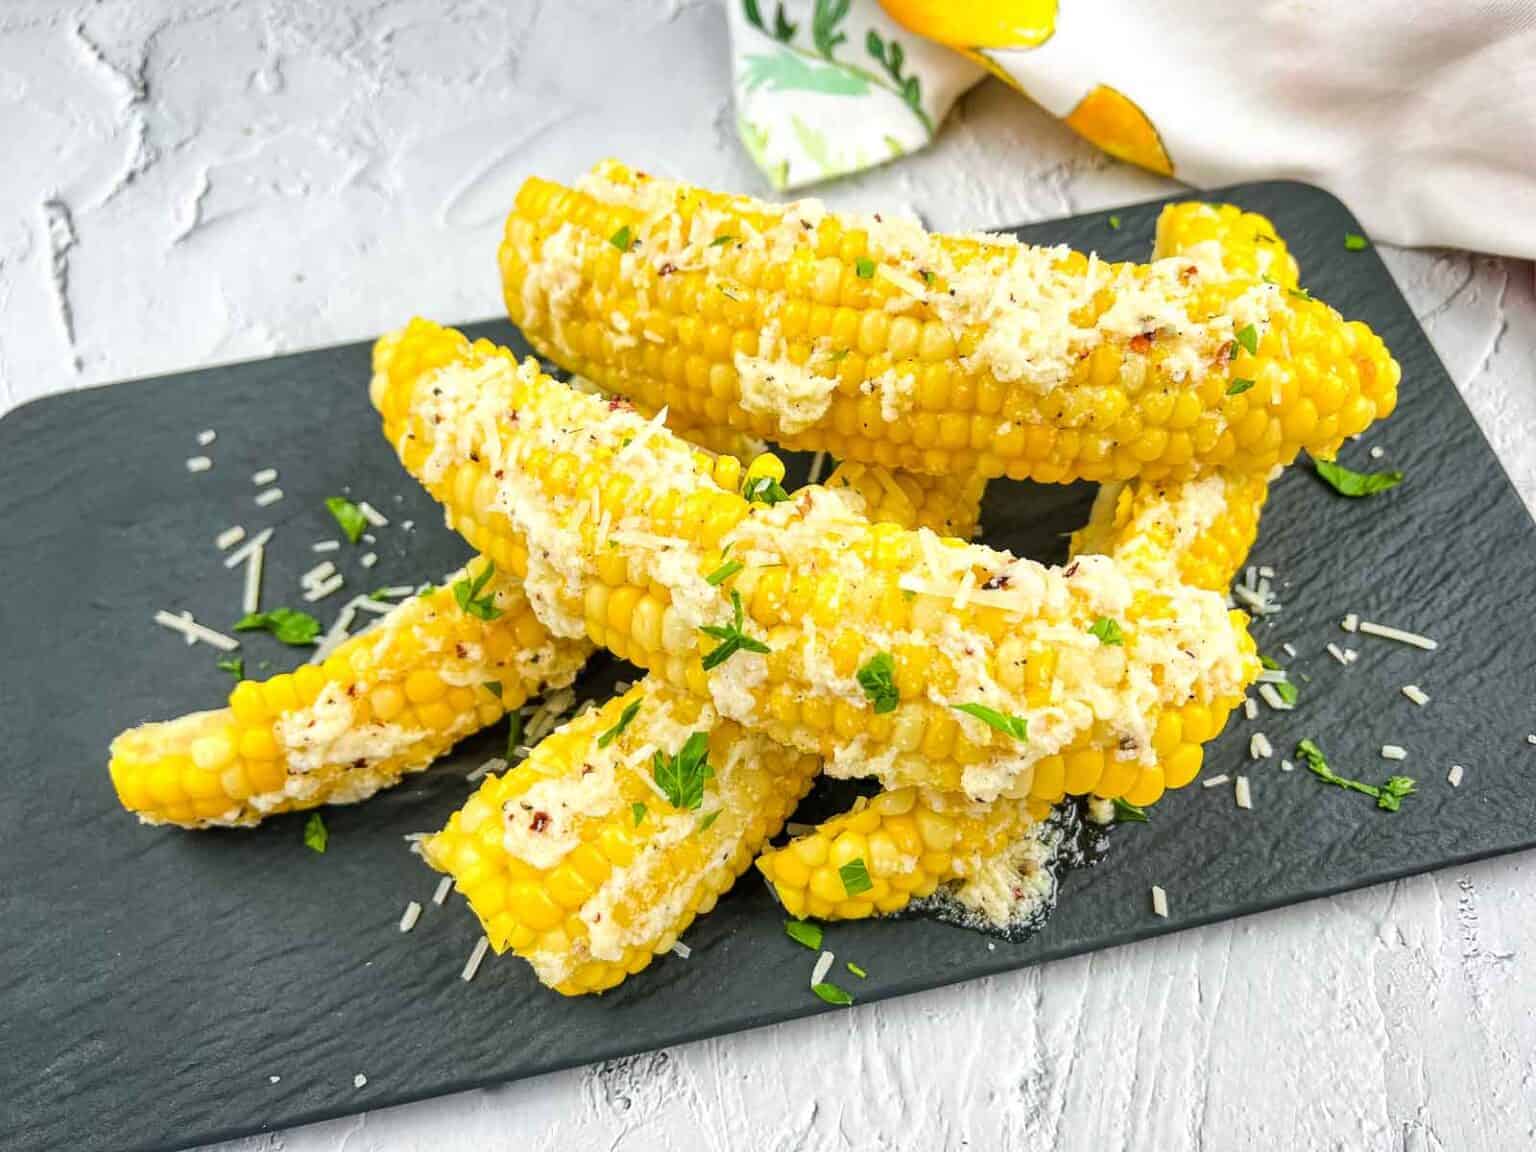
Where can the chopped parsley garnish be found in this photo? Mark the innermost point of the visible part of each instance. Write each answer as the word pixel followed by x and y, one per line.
pixel 349 516
pixel 287 624
pixel 622 239
pixel 637 811
pixel 719 241
pixel 927 276
pixel 1351 483
pixel 1269 662
pixel 1108 632
pixel 764 490
pixel 864 268
pixel 832 994
pixel 878 679
pixel 626 717
pixel 855 876
pixel 1287 692
pixel 1238 387
pixel 1015 726
pixel 1128 813
pixel 1247 338
pixel 1354 242
pixel 1388 796
pixel 681 777
pixel 235 666
pixel 472 597
pixel 857 971
pixel 706 820
pixel 733 638
pixel 315 835
pixel 493 687
pixel 1114 223
pixel 514 733
pixel 804 933
pixel 723 573
pixel 1299 293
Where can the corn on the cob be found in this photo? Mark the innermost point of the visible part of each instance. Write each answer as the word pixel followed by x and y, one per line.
pixel 601 848
pixel 886 851
pixel 1243 243
pixel 384 704
pixel 870 339
pixel 950 506
pixel 608 519
pixel 1199 531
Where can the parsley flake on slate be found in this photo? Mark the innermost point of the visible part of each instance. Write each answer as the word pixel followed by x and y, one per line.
pixel 878 679
pixel 289 626
pixel 349 516
pixel 1354 242
pixel 1348 482
pixel 235 666
pixel 1015 726
pixel 1128 813
pixel 315 835
pixel 804 933
pixel 1388 796
pixel 832 994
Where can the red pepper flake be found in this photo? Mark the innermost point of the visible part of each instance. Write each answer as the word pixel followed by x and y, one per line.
pixel 539 822
pixel 666 269
pixel 1071 569
pixel 994 583
pixel 1141 344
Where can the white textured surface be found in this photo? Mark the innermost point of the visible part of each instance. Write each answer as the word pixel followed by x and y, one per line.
pixel 195 182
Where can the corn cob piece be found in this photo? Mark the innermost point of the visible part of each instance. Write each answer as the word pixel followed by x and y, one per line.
pixel 950 506
pixel 1199 531
pixel 870 339
pixel 1243 243
pixel 891 849
pixel 610 521
pixel 384 704
pixel 599 851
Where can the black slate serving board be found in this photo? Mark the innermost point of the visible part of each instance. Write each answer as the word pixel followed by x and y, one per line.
pixel 154 982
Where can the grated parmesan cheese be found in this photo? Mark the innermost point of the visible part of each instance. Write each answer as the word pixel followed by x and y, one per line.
pixel 444 886
pixel 206 437
pixel 1453 778
pixel 229 537
pixel 1393 752
pixel 472 965
pixel 372 514
pixel 1398 634
pixel 268 496
pixel 1215 781
pixel 264 477
pixel 1416 694
pixel 1242 794
pixel 411 915
pixel 1159 901
pixel 191 629
pixel 1259 747
pixel 199 464
pixel 823 966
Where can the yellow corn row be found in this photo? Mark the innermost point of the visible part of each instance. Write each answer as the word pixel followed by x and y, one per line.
pixel 877 342
pixel 891 849
pixel 384 704
pixel 1244 243
pixel 950 506
pixel 583 864
pixel 612 524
